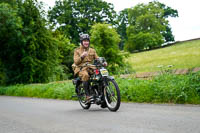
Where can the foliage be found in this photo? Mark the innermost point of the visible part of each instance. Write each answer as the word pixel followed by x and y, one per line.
pixel 162 89
pixel 10 35
pixel 66 54
pixel 2 74
pixel 122 25
pixel 76 16
pixel 53 90
pixel 180 55
pixel 28 50
pixel 148 26
pixel 105 40
pixel 147 39
pixel 168 12
pixel 10 2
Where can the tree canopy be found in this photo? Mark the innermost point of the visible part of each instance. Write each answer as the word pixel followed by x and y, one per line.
pixel 148 26
pixel 105 40
pixel 29 52
pixel 76 16
pixel 122 24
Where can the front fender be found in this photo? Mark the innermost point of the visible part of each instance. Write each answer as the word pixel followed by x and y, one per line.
pixel 111 77
pixel 106 79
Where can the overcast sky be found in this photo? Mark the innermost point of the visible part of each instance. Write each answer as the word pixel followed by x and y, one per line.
pixel 186 26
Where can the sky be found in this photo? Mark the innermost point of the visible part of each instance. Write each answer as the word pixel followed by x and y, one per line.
pixel 184 27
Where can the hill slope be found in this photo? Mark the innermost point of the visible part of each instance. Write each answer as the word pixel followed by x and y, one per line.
pixel 180 55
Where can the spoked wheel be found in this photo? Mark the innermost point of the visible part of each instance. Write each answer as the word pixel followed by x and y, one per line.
pixel 112 95
pixel 82 98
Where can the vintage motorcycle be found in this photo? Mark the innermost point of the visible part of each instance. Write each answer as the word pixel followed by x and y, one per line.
pixel 103 88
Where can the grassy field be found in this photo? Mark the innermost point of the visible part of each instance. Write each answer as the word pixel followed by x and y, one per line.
pixel 180 55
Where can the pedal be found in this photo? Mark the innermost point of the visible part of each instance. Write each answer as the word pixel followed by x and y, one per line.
pixel 91 100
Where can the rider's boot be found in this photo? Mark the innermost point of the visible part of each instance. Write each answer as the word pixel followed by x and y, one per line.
pixel 86 87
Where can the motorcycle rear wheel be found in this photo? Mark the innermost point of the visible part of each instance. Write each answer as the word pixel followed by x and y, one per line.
pixel 82 98
pixel 112 95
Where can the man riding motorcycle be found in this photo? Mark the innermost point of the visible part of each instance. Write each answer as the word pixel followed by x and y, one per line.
pixel 83 55
pixel 100 88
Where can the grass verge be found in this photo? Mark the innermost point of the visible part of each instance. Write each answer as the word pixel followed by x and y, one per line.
pixel 54 90
pixel 165 88
pixel 162 89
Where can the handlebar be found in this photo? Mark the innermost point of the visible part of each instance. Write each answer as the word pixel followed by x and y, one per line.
pixel 91 65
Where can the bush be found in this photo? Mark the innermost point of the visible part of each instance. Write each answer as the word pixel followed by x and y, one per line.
pixel 142 41
pixel 162 89
pixel 105 40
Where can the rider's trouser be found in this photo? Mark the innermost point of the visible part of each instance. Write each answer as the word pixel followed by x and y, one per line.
pixel 85 77
pixel 83 74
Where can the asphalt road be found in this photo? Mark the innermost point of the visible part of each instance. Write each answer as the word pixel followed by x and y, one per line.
pixel 31 115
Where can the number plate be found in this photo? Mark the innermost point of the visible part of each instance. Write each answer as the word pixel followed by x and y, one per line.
pixel 104 72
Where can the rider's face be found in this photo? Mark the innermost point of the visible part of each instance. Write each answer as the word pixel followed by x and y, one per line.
pixel 86 43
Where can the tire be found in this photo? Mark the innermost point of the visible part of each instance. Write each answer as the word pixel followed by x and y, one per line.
pixel 81 98
pixel 112 95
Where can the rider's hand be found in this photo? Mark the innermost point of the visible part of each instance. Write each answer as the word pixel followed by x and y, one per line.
pixel 84 54
pixel 105 64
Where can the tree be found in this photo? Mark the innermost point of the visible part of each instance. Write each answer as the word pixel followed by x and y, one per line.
pixel 10 2
pixel 148 26
pixel 29 52
pixel 76 16
pixel 2 74
pixel 105 40
pixel 122 19
pixel 168 12
pixel 10 36
pixel 41 49
pixel 66 49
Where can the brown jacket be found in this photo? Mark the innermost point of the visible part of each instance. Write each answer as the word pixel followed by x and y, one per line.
pixel 78 62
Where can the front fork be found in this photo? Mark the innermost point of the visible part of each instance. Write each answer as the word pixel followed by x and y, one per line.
pixel 105 83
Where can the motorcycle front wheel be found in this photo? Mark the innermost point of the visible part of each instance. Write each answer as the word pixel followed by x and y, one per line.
pixel 112 95
pixel 82 98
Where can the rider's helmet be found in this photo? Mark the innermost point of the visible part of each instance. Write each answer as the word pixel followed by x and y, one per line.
pixel 84 37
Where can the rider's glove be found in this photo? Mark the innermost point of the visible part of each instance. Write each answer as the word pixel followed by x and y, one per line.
pixel 105 64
